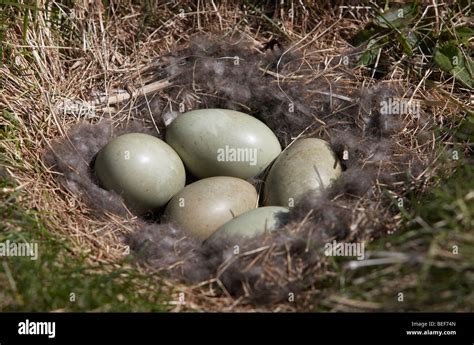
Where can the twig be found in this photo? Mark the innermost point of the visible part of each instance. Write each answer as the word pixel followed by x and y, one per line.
pixel 158 85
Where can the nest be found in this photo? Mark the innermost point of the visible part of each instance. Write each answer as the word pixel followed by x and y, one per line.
pixel 299 90
pixel 272 85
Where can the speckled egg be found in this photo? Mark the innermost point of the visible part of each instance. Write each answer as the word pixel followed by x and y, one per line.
pixel 203 206
pixel 308 164
pixel 250 224
pixel 221 142
pixel 145 170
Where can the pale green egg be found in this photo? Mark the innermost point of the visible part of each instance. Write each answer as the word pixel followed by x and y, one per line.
pixel 307 165
pixel 203 206
pixel 250 224
pixel 143 169
pixel 221 142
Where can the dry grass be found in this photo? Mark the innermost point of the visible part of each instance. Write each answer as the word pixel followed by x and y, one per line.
pixel 89 53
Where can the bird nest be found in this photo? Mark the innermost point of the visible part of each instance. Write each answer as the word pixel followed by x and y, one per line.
pixel 301 87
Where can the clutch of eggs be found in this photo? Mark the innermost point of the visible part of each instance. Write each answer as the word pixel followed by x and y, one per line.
pixel 223 148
